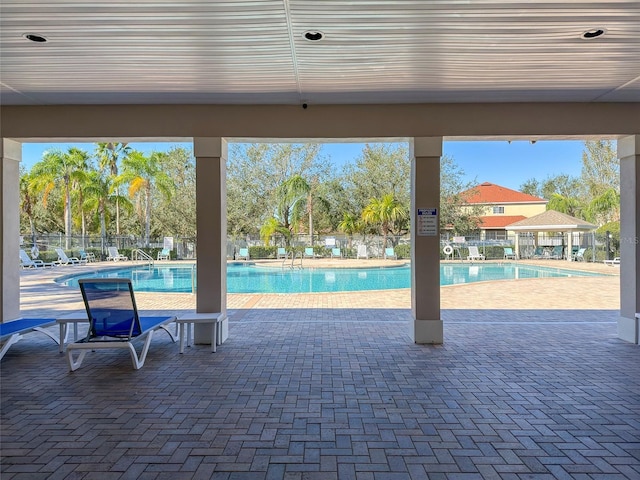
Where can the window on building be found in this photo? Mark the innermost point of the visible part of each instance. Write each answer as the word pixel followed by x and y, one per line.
pixel 497 210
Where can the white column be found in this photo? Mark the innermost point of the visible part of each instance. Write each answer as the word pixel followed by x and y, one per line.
pixel 211 223
pixel 425 251
pixel 11 154
pixel 629 154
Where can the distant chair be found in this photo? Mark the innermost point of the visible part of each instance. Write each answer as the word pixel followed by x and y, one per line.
pixel 474 254
pixel 309 253
pixel 243 253
pixel 557 252
pixel 86 257
pixel 362 252
pixel 63 259
pixel 164 254
pixel 509 254
pixel 390 252
pixel 336 252
pixel 114 255
pixel 579 256
pixel 540 252
pixel 282 253
pixel 611 263
pixel 27 262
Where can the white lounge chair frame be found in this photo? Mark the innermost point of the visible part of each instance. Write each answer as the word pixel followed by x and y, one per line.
pixel 98 343
pixel 474 254
pixel 114 255
pixel 14 330
pixel 510 254
pixel 27 262
pixel 63 259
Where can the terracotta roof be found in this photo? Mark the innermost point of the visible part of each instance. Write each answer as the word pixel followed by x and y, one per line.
pixel 552 220
pixel 499 221
pixel 489 193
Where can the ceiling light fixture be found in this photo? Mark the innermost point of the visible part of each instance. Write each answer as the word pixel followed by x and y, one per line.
pixel 35 37
pixel 313 35
pixel 593 33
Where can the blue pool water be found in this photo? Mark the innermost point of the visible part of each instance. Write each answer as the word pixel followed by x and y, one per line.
pixel 251 279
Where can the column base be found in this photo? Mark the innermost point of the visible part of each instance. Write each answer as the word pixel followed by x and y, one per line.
pixel 428 332
pixel 628 329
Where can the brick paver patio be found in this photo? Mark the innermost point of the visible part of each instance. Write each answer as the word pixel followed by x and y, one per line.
pixel 531 382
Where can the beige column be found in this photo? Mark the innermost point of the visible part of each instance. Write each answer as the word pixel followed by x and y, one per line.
pixel 629 155
pixel 211 223
pixel 425 240
pixel 11 154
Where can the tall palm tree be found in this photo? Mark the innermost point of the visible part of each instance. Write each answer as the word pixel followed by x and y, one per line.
pixel 385 212
pixel 292 195
pixel 27 201
pixel 569 205
pixel 109 155
pixel 59 169
pixel 144 174
pixel 605 207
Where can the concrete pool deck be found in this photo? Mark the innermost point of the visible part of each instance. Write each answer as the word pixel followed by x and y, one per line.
pixel 41 296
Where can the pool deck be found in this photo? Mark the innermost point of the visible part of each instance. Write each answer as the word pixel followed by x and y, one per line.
pixel 530 383
pixel 41 296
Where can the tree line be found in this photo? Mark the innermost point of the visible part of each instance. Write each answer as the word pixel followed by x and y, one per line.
pixel 274 189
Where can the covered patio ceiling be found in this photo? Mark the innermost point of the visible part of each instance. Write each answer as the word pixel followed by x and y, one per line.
pixel 294 52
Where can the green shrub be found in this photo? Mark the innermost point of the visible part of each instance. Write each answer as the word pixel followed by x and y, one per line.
pixel 261 252
pixel 403 251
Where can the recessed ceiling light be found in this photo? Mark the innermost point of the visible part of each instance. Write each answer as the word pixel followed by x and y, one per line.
pixel 313 35
pixel 593 33
pixel 34 37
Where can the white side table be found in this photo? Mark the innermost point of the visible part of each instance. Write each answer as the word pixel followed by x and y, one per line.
pixel 190 319
pixel 76 317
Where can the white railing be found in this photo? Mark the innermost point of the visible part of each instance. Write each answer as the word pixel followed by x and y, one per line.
pixel 138 255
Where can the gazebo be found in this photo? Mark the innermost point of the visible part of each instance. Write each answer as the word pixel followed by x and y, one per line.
pixel 551 221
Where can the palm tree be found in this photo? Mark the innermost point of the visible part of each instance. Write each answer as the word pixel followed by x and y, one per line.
pixel 385 212
pixel 144 174
pixel 272 226
pixel 59 168
pixel 349 225
pixel 292 195
pixel 569 205
pixel 27 201
pixel 96 198
pixel 109 154
pixel 605 207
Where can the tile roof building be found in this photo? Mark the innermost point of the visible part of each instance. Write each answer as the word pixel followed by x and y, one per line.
pixel 502 206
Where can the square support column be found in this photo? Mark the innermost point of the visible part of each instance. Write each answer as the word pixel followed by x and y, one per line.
pixel 425 240
pixel 211 223
pixel 11 154
pixel 629 155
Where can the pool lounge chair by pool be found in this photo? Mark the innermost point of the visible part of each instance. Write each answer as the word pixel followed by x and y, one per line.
pixel 579 257
pixel 309 253
pixel 362 252
pixel 12 332
pixel 390 252
pixel 474 254
pixel 611 263
pixel 282 253
pixel 243 254
pixel 114 255
pixel 509 254
pixel 114 321
pixel 336 253
pixel 27 262
pixel 63 259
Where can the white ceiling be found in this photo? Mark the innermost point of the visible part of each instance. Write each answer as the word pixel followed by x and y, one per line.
pixel 374 51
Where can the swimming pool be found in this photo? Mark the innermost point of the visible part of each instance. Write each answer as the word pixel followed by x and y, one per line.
pixel 246 278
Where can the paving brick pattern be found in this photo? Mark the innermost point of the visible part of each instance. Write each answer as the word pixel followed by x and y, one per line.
pixel 332 393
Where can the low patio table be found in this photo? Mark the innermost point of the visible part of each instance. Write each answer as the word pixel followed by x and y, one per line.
pixel 212 318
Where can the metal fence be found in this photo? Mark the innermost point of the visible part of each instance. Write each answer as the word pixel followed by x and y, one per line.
pixel 597 247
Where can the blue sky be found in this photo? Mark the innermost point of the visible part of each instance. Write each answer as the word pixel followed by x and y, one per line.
pixel 499 162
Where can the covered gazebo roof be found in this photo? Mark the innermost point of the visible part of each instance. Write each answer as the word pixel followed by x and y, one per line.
pixel 551 221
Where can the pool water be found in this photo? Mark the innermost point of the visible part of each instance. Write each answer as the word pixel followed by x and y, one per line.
pixel 247 278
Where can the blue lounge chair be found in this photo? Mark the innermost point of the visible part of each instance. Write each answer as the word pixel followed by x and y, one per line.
pixel 557 252
pixel 164 254
pixel 309 253
pixel 336 253
pixel 282 253
pixel 508 254
pixel 579 256
pixel 11 332
pixel 390 253
pixel 114 321
pixel 243 253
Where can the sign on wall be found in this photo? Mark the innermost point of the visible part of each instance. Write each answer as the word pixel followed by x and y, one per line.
pixel 427 222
